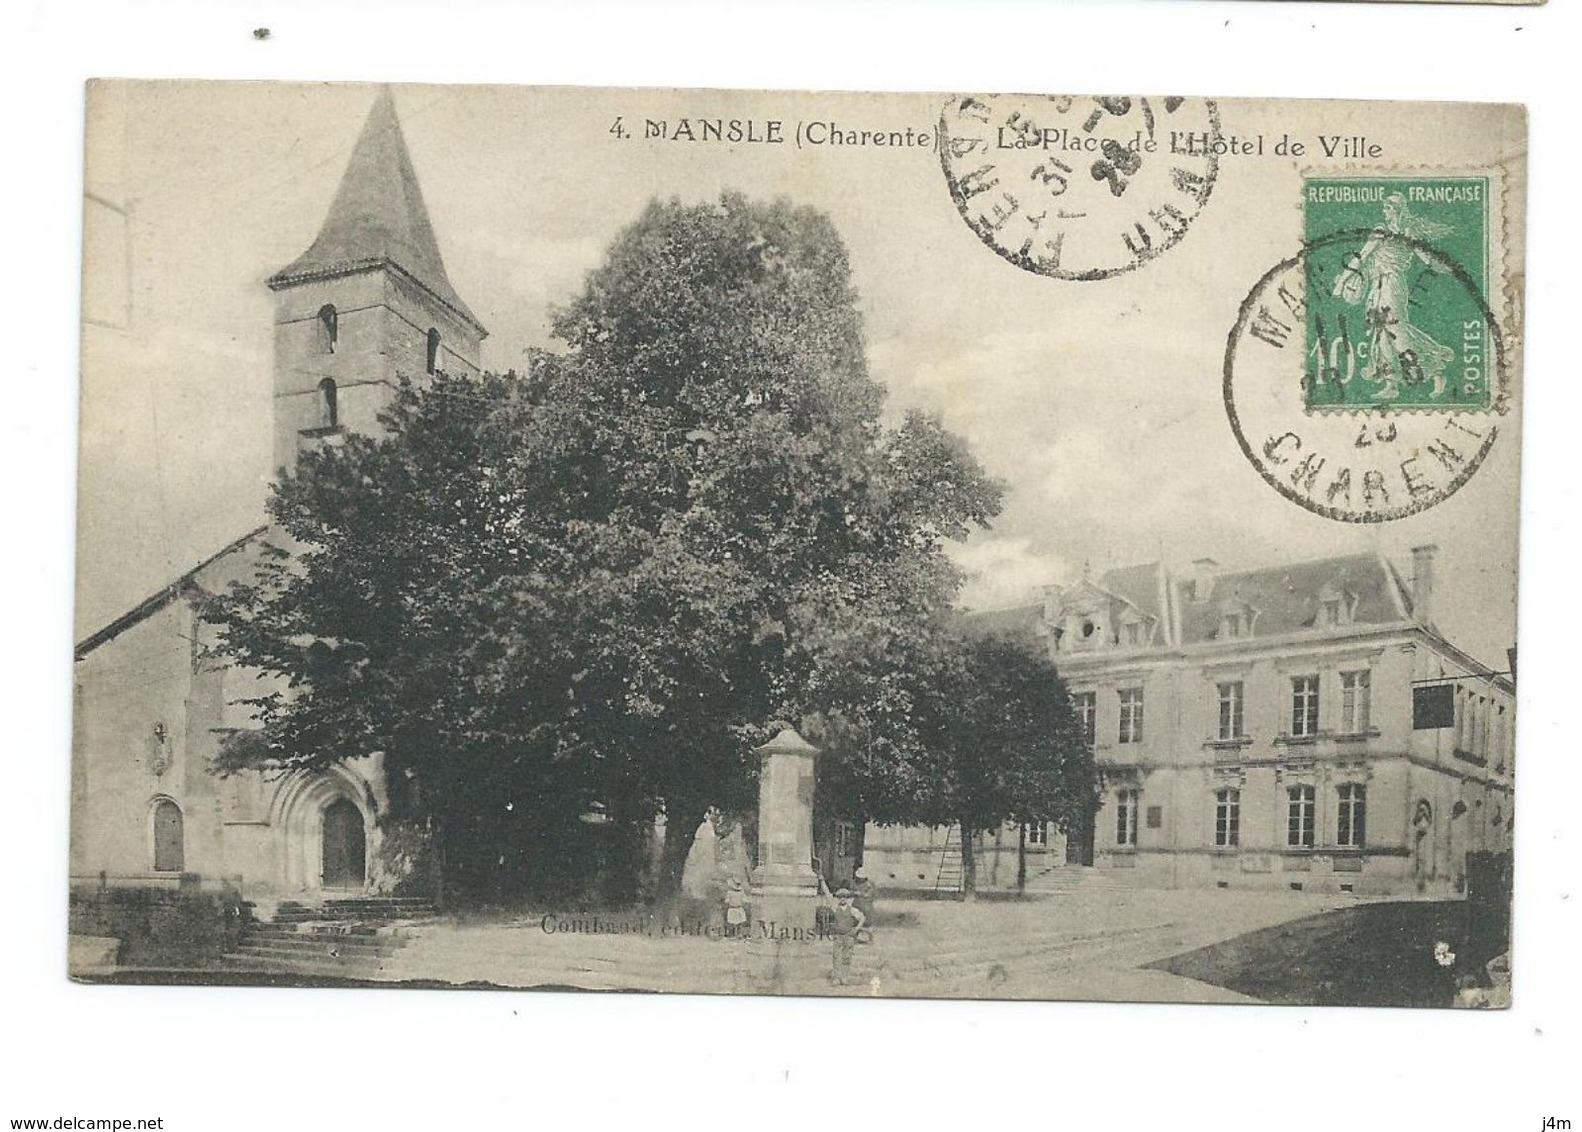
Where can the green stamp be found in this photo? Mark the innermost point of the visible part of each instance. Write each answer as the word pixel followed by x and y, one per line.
pixel 1397 305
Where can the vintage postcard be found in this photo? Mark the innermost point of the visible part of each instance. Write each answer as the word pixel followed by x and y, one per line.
pixel 919 545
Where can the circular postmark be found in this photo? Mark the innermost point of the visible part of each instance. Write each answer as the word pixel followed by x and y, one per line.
pixel 1379 415
pixel 1079 188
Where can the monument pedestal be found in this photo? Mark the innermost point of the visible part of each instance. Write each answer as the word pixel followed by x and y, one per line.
pixel 785 895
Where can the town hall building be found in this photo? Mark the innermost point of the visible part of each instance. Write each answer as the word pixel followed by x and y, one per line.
pixel 367 304
pixel 1302 726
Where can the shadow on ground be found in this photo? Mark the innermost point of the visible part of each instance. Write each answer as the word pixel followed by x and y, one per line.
pixel 1371 955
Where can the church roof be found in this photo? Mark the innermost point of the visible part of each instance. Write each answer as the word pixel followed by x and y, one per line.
pixel 378 218
pixel 180 588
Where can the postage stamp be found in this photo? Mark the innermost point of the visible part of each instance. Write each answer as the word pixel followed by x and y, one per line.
pixel 1396 400
pixel 1080 188
pixel 1397 278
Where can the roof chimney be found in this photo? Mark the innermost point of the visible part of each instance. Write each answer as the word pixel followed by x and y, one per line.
pixel 1202 579
pixel 1423 583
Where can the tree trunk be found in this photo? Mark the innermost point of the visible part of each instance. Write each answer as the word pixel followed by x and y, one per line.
pixel 1021 858
pixel 681 829
pixel 969 866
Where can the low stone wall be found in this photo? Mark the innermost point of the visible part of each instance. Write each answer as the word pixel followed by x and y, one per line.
pixel 159 927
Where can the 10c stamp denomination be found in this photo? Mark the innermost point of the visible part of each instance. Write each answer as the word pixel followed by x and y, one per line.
pixel 1079 188
pixel 1365 375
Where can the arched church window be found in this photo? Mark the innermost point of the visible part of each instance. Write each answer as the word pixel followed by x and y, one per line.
pixel 329 405
pixel 169 837
pixel 329 327
pixel 433 350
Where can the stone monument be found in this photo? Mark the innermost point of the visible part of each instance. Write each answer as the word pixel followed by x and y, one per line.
pixel 784 886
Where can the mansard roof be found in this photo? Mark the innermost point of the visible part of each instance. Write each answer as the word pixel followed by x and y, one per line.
pixel 1141 587
pixel 1022 624
pixel 378 218
pixel 1287 598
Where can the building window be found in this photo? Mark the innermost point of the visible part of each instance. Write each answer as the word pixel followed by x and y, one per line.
pixel 1134 634
pixel 1231 698
pixel 1232 625
pixel 1131 715
pixel 329 328
pixel 1354 705
pixel 1498 737
pixel 1299 817
pixel 1227 818
pixel 329 405
pixel 1037 833
pixel 1332 611
pixel 1304 706
pixel 432 363
pixel 1351 825
pixel 169 837
pixel 1126 817
pixel 1086 705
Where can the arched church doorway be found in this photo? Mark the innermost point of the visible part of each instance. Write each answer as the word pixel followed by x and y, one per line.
pixel 345 846
pixel 169 837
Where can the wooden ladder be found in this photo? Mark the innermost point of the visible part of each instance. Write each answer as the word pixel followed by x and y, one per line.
pixel 948 878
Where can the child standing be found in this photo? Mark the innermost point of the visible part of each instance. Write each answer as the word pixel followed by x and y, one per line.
pixel 735 910
pixel 845 923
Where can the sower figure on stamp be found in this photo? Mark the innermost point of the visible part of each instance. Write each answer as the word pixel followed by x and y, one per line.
pixel 1379 276
pixel 845 922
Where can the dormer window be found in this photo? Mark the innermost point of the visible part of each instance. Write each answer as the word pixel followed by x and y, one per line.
pixel 1135 631
pixel 1084 631
pixel 329 328
pixel 431 365
pixel 1335 607
pixel 1232 625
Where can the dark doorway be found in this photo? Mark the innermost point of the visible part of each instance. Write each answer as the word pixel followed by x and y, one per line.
pixel 1079 842
pixel 169 838
pixel 345 847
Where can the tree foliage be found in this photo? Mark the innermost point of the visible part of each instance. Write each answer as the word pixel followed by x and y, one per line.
pixel 596 583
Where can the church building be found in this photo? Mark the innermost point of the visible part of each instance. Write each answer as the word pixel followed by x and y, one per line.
pixel 367 304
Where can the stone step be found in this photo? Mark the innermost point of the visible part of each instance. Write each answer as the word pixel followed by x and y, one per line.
pixel 316 927
pixel 416 903
pixel 312 947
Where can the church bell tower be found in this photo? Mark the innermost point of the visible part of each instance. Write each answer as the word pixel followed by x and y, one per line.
pixel 367 304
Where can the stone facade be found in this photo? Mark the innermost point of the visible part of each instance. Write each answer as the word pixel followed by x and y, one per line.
pixel 1276 728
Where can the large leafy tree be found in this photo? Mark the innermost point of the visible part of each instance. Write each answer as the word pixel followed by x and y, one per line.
pixel 596 583
pixel 974 731
pixel 1005 744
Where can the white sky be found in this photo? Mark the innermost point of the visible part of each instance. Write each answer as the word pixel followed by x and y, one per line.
pixel 1099 403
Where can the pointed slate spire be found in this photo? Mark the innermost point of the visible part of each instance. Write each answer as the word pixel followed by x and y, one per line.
pixel 378 217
